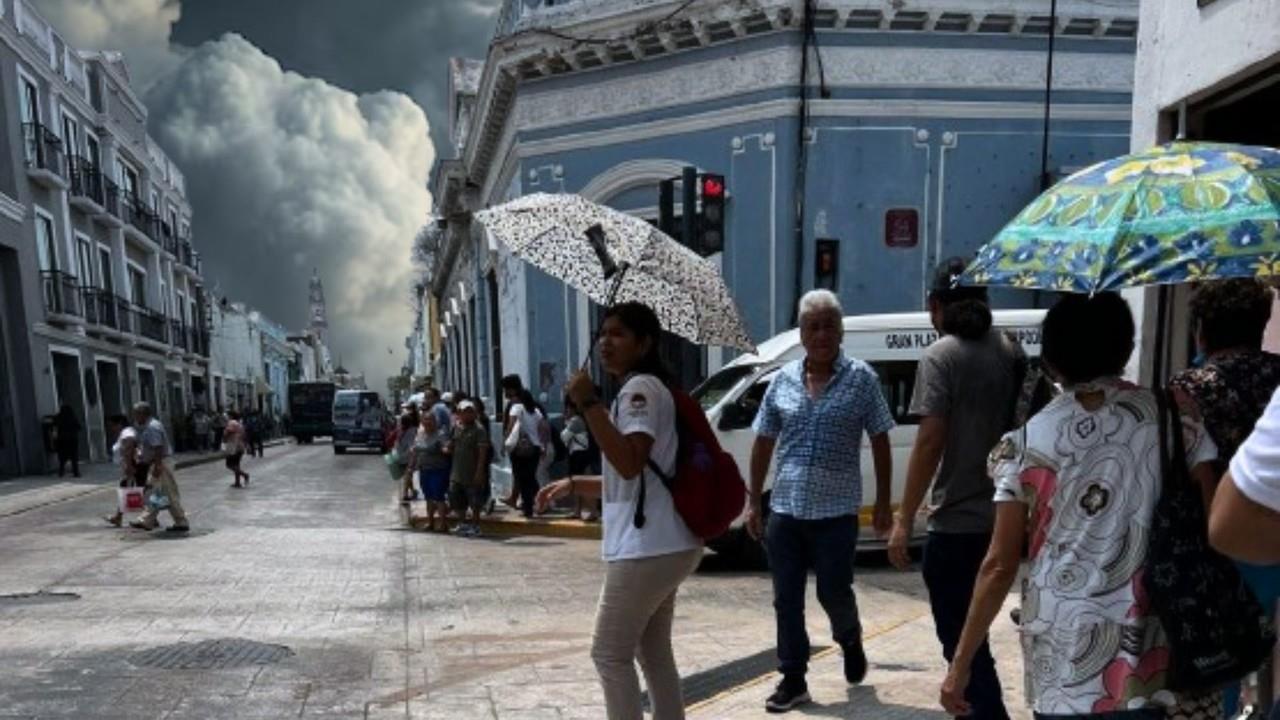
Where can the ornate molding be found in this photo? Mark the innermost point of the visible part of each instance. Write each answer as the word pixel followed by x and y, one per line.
pixel 629 174
pixel 12 209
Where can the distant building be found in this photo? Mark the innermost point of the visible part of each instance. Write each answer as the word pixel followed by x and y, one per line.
pixel 102 302
pixel 916 136
pixel 251 360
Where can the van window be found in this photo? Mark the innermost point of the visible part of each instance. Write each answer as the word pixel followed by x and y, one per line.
pixel 748 405
pixel 898 381
pixel 717 386
pixel 345 401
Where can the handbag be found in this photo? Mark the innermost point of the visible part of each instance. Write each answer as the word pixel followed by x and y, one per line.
pixel 519 445
pixel 130 499
pixel 1217 629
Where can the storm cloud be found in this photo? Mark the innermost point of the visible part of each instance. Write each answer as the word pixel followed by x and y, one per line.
pixel 286 173
pixel 402 45
pixel 296 154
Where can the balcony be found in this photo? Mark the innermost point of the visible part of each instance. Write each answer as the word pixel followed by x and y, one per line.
pixel 112 214
pixel 102 310
pixel 61 296
pixel 179 337
pixel 46 163
pixel 86 187
pixel 169 241
pixel 139 220
pixel 150 325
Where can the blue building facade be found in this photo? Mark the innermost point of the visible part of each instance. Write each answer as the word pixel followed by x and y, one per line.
pixel 918 134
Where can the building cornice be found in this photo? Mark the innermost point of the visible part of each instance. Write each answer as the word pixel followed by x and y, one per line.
pixel 12 209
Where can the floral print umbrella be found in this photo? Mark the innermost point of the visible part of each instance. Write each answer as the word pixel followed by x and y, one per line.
pixel 685 290
pixel 1176 213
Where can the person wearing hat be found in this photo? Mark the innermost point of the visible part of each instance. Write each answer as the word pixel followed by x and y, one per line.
pixel 967 386
pixel 469 476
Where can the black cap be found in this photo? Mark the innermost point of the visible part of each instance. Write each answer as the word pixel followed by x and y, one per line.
pixel 944 288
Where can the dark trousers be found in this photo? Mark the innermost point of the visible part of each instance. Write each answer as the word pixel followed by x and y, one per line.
pixel 951 563
pixel 524 477
pixel 68 455
pixel 826 546
pixel 255 445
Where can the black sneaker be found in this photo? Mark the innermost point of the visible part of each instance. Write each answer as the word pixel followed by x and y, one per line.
pixel 790 694
pixel 855 661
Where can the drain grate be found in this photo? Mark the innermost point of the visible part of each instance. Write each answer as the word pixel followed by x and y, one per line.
pixel 215 654
pixel 709 683
pixel 37 598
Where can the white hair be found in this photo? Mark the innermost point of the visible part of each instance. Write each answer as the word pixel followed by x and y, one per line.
pixel 819 301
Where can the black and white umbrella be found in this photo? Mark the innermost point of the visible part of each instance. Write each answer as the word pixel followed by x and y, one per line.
pixel 612 256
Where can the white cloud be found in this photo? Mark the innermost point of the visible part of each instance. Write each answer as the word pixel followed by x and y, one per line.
pixel 287 172
pixel 138 28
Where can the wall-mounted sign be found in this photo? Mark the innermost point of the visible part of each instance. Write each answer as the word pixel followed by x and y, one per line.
pixel 901 228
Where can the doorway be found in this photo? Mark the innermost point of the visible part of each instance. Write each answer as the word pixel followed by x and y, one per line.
pixel 147 387
pixel 68 390
pixel 111 392
pixel 10 464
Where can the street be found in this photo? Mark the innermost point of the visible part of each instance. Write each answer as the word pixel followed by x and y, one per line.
pixel 363 618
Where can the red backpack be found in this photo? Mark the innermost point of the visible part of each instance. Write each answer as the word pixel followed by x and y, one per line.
pixel 707 486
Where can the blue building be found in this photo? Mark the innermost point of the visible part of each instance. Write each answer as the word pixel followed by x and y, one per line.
pixel 916 134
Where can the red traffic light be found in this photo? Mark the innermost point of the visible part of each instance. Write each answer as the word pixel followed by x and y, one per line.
pixel 712 186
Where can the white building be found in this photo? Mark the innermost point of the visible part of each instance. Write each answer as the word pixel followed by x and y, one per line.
pixel 1206 70
pixel 102 302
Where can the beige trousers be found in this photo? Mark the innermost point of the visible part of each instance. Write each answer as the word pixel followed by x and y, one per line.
pixel 633 622
pixel 169 486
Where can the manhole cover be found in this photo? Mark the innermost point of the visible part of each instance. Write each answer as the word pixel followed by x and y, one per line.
pixel 37 598
pixel 210 655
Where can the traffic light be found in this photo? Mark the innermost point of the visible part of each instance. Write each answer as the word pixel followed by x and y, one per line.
pixel 711 222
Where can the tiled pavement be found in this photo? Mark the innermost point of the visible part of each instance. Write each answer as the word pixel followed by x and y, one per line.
pixel 383 621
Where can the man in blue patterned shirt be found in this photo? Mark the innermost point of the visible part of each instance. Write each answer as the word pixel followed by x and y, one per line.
pixel 814 414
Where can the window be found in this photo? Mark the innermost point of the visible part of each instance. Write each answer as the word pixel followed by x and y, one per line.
pixel 30 102
pixel 717 386
pixel 104 270
pixel 137 286
pixel 898 381
pixel 164 298
pixel 46 245
pixel 94 150
pixel 129 180
pixel 85 259
pixel 70 135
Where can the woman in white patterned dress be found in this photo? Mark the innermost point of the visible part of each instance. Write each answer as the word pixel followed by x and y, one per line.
pixel 1080 482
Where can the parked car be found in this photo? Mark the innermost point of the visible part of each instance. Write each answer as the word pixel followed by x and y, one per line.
pixel 892 345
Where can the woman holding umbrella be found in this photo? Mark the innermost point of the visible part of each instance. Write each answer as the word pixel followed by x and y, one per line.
pixel 646 564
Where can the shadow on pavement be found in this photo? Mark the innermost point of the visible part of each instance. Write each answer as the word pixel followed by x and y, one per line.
pixel 864 702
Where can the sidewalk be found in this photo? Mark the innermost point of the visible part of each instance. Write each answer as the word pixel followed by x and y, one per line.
pixel 506 522
pixel 23 494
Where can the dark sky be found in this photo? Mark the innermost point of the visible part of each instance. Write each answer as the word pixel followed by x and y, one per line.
pixel 359 45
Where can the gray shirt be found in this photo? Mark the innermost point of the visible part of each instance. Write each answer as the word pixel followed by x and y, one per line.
pixel 153 442
pixel 974 385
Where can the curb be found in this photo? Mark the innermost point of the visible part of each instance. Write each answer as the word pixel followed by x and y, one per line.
pixel 519 526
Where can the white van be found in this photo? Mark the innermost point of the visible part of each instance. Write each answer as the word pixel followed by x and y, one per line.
pixel 891 344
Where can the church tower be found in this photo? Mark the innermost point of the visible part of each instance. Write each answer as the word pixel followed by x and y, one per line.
pixel 319 316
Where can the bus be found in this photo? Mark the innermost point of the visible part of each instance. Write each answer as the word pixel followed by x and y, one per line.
pixel 311 410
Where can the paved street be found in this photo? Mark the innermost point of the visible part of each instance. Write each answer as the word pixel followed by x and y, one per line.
pixel 379 621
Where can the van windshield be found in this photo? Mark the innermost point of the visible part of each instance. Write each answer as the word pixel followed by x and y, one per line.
pixel 714 388
pixel 345 401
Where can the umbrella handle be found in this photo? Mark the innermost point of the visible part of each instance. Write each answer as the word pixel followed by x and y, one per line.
pixel 614 286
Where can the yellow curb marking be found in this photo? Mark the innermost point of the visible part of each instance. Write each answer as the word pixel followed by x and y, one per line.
pixel 701 704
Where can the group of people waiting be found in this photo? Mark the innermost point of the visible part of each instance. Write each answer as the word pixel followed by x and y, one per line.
pixel 1070 479
pixel 444 443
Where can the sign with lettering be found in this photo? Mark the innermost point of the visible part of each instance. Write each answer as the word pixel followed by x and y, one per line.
pixel 901 228
pixel 1028 337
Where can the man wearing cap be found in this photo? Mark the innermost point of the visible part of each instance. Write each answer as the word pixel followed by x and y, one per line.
pixel 967 385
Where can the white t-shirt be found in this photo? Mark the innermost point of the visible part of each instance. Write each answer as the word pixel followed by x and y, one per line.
pixel 528 422
pixel 644 406
pixel 126 434
pixel 1256 467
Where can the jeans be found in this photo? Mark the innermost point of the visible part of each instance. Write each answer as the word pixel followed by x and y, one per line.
pixel 524 476
pixel 1143 714
pixel 826 546
pixel 951 563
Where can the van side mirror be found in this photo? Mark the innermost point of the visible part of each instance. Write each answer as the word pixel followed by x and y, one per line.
pixel 735 417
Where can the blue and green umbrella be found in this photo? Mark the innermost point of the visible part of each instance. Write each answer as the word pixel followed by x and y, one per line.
pixel 1182 212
